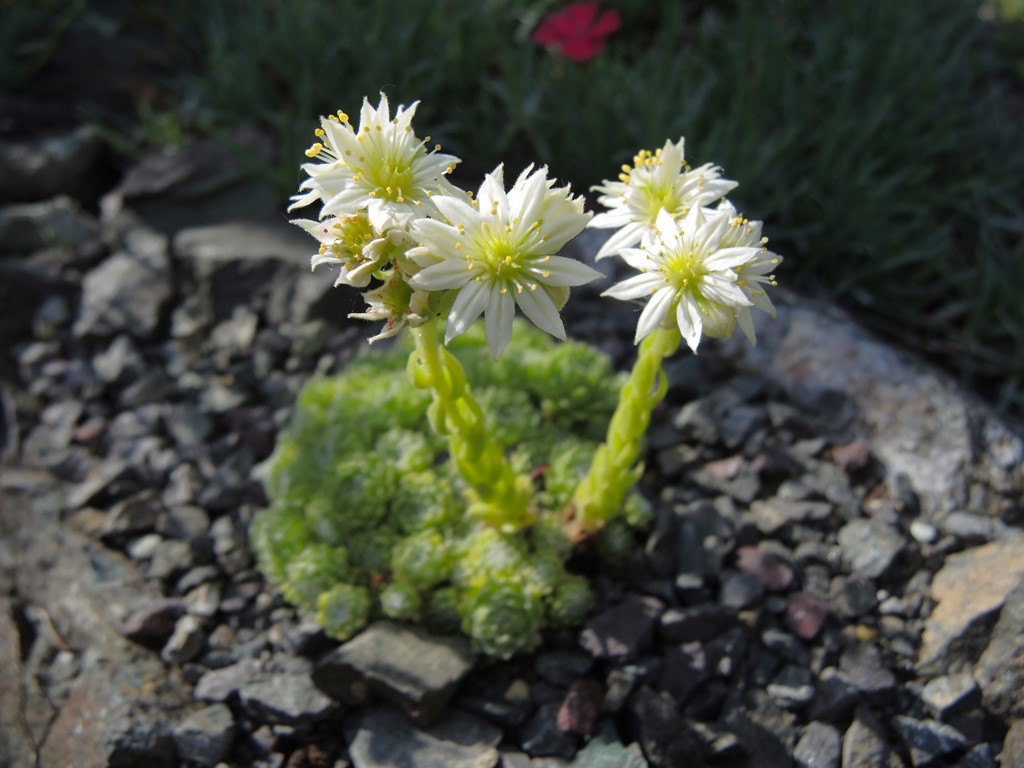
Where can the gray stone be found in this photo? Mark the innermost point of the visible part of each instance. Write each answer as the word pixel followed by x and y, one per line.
pixel 219 685
pixel 605 750
pixel 792 687
pixel 666 739
pixel 981 756
pixel 382 737
pixel 969 592
pixel 120 358
pixel 769 566
pixel 699 622
pixel 703 538
pixel 819 747
pixel 867 672
pixel 951 695
pixel 774 514
pixel 62 164
pixel 562 668
pixel 1013 745
pixel 404 664
pixel 98 480
pixel 186 642
pixel 126 293
pixel 541 736
pixel 285 699
pixel 154 622
pixel 740 590
pixel 205 736
pixel 57 223
pixel 870 547
pixel 928 740
pixel 864 743
pixel 1000 670
pixel 622 631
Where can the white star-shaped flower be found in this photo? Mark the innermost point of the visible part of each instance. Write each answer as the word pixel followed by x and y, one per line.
pixel 658 180
pixel 351 244
pixel 758 273
pixel 381 167
pixel 499 252
pixel 696 274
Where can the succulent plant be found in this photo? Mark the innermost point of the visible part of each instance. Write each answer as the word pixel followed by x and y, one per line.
pixel 368 518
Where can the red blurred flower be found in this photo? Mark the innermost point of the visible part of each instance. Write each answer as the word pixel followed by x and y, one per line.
pixel 577 30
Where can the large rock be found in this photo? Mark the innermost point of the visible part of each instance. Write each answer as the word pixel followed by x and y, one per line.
pixel 57 223
pixel 1000 670
pixel 969 591
pixel 127 292
pixel 402 663
pixel 260 263
pixel 60 164
pixel 382 737
pixel 920 423
pixel 115 703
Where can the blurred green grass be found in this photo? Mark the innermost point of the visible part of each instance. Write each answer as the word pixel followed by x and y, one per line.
pixel 878 140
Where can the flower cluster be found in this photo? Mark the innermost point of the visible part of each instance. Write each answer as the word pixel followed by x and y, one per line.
pixel 376 525
pixel 389 213
pixel 701 268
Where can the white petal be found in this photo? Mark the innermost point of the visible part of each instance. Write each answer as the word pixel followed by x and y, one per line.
pixel 746 323
pixel 654 313
pixel 469 303
pixel 637 258
pixel 493 191
pixel 541 311
pixel 501 310
pixel 562 272
pixel 612 219
pixel 456 210
pixel 723 292
pixel 688 319
pixel 451 273
pixel 668 228
pixel 636 287
pixel 729 258
pixel 626 237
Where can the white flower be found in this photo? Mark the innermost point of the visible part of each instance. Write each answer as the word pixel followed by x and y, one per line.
pixel 396 304
pixel 757 273
pixel 351 244
pixel 657 181
pixel 382 168
pixel 498 252
pixel 697 274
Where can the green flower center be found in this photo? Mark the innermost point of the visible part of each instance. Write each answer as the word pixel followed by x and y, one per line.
pixel 684 271
pixel 502 258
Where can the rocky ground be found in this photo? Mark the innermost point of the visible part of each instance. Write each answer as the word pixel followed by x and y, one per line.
pixel 835 576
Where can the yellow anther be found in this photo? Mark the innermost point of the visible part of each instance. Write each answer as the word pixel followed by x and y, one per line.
pixel 315 150
pixel 378 128
pixel 342 116
pixel 437 147
pixel 333 118
pixel 320 132
pixel 546 273
pixel 533 286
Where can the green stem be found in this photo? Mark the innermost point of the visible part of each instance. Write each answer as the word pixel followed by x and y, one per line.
pixel 614 469
pixel 497 494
